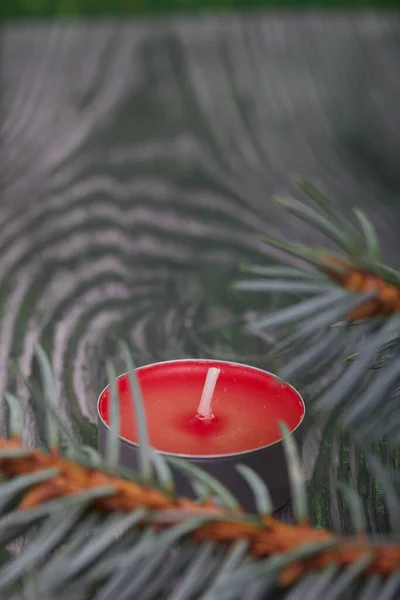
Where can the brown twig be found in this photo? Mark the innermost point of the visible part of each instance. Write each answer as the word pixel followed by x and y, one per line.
pixel 386 301
pixel 266 538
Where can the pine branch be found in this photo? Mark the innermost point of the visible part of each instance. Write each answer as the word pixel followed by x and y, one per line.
pixel 103 532
pixel 351 314
pixel 53 478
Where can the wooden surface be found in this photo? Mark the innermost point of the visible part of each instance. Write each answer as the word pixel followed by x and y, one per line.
pixel 138 160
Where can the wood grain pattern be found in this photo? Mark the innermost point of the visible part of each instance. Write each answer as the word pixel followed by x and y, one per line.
pixel 137 164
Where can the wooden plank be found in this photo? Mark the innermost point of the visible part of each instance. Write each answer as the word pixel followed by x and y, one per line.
pixel 137 165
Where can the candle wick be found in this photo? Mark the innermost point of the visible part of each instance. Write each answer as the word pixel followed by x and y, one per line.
pixel 204 410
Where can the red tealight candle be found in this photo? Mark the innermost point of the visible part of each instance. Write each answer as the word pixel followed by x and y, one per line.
pixel 216 414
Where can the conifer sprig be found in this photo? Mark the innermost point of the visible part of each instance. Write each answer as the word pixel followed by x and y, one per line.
pixel 106 533
pixel 349 310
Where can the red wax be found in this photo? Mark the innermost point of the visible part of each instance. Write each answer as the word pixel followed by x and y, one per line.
pixel 248 405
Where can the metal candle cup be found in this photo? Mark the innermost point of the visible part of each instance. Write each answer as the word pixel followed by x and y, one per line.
pixel 169 384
